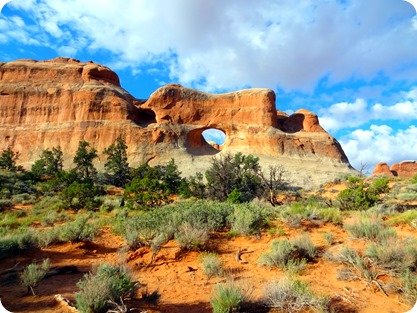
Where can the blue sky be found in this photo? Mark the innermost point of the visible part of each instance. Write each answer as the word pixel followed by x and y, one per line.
pixel 352 62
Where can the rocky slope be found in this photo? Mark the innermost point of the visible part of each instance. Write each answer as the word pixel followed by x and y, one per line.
pixel 62 101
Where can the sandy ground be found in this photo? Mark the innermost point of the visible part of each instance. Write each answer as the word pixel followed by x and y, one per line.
pixel 177 276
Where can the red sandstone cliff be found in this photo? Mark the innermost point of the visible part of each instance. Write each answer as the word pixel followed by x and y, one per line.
pixel 402 169
pixel 62 101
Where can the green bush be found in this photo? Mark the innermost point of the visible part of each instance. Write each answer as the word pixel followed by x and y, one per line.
pixel 33 274
pixel 21 239
pixel 227 298
pixel 5 204
pixel 80 196
pixel 248 219
pixel 358 196
pixel 106 283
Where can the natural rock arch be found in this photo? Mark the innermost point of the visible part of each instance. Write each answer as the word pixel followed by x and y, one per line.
pixel 197 144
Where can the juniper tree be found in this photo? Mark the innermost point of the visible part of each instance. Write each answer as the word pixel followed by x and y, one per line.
pixel 84 161
pixel 117 164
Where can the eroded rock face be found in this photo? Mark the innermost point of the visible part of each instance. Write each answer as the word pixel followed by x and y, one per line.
pixel 402 169
pixel 62 101
pixel 382 168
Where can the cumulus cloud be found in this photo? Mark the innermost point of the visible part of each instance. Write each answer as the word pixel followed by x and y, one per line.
pixel 380 144
pixel 218 45
pixel 350 115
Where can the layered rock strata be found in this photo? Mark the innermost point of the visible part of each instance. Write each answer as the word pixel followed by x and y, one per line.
pixel 62 101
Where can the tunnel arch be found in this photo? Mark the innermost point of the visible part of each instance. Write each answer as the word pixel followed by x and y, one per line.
pixel 206 140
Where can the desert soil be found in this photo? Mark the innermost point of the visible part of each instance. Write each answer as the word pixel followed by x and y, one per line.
pixel 177 276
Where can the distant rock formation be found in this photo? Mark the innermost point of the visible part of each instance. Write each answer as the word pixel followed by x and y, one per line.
pixel 62 101
pixel 402 169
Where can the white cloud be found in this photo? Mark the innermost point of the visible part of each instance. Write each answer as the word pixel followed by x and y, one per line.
pixel 235 43
pixel 349 115
pixel 380 144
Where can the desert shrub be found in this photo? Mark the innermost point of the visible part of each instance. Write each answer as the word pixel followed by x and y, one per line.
pixel 49 218
pixel 24 198
pixel 78 230
pixel 329 238
pixel 21 239
pixel 279 255
pixel 296 212
pixel 305 248
pixel 406 217
pixel 309 209
pixel 213 214
pixel 5 204
pixel 289 255
pixel 409 286
pixel 359 196
pixel 394 255
pixel 372 228
pixel 234 172
pixel 212 264
pixel 105 283
pixel 360 266
pixel 141 229
pixel 47 237
pixel 227 298
pixel 248 219
pixel 411 188
pixel 80 196
pixel 413 180
pixel 33 274
pixel 53 203
pixel 407 196
pixel 379 186
pixel 331 214
pixel 108 204
pixel 11 220
pixel 191 237
pixel 292 295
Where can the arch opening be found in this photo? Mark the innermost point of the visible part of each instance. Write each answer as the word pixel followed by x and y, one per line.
pixel 214 137
pixel 146 117
pixel 205 141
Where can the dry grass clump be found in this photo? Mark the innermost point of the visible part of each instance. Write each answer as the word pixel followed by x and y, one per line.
pixel 212 264
pixel 371 227
pixel 394 255
pixel 292 295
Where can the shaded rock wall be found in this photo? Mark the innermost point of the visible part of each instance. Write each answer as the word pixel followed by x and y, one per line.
pixel 62 101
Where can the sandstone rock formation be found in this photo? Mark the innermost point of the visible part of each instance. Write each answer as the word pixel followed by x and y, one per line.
pixel 402 169
pixel 62 101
